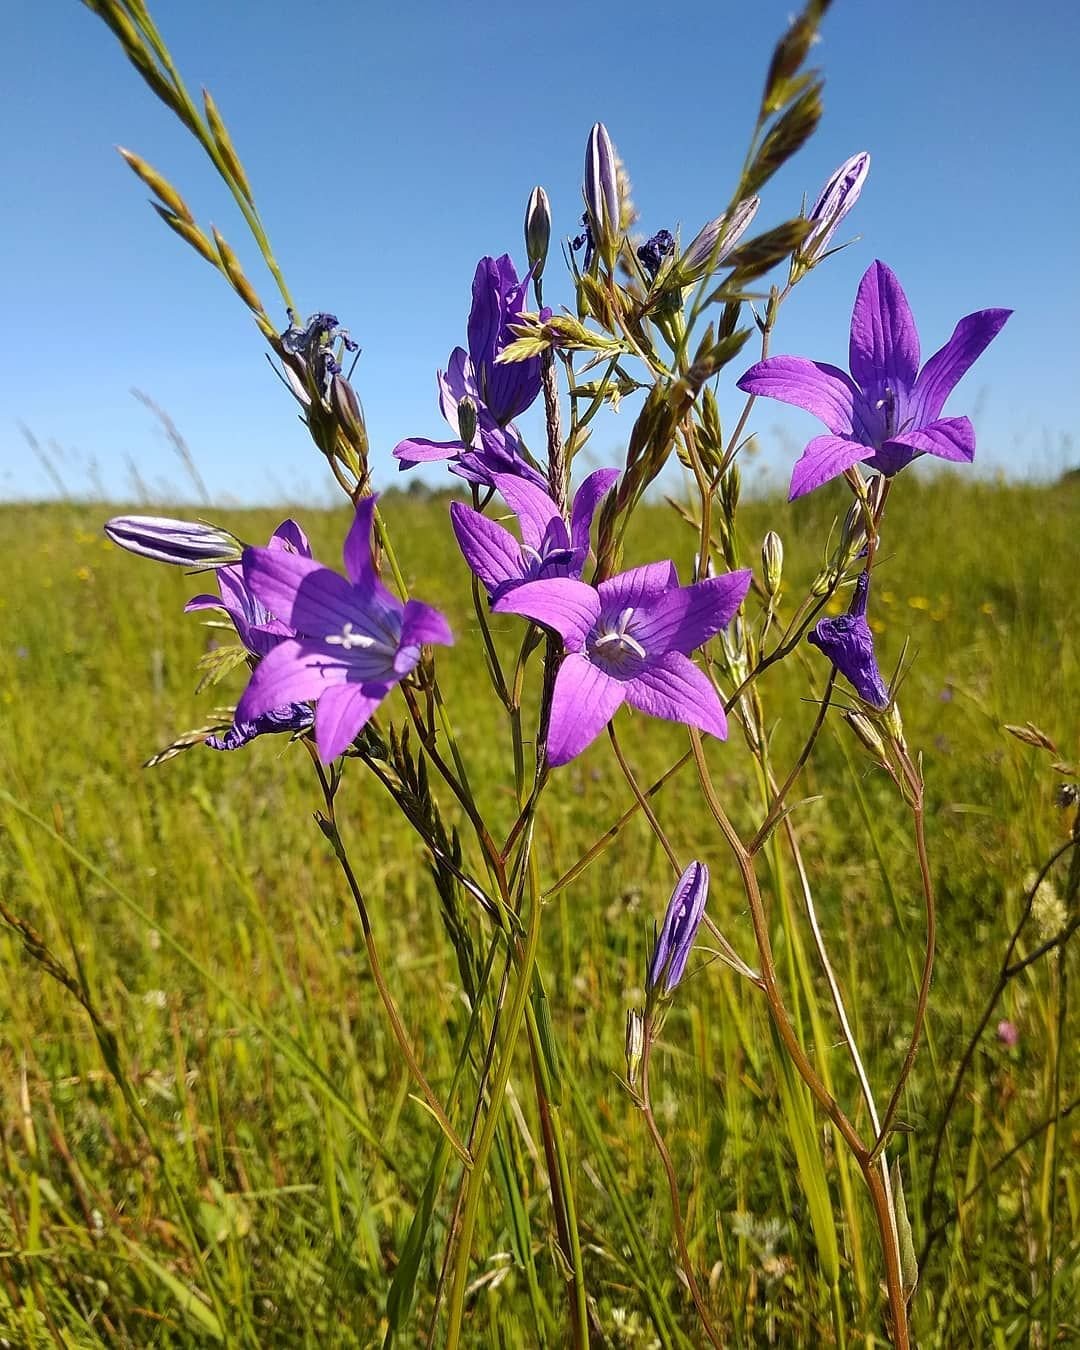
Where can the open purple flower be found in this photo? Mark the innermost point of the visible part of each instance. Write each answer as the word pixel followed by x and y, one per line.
pixel 849 645
pixel 260 632
pixel 548 547
pixel 497 391
pixel 888 411
pixel 353 642
pixel 629 641
pixel 675 940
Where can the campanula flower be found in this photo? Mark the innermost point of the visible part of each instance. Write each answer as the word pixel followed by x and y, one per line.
pixel 260 632
pixel 497 391
pixel 629 640
pixel 653 251
pixel 849 645
pixel 699 253
pixel 537 230
pixel 184 543
pixel 603 213
pixel 675 940
pixel 354 640
pixel 548 547
pixel 312 342
pixel 887 412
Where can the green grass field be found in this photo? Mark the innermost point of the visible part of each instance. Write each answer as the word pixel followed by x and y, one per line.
pixel 253 1180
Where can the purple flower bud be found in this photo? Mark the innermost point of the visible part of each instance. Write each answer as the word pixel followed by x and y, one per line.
pixel 184 543
pixel 849 645
pixel 602 193
pixel 837 198
pixel 699 255
pixel 676 937
pixel 537 230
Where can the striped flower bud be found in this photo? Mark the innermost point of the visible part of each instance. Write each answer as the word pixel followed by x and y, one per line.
pixel 714 241
pixel 675 939
pixel 537 230
pixel 635 1045
pixel 837 198
pixel 184 543
pixel 601 191
pixel 772 561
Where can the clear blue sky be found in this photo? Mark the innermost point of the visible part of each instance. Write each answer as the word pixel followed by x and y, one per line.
pixel 391 145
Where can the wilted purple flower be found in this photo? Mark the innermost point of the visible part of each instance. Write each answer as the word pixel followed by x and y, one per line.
pixel 837 198
pixel 260 632
pixel 184 543
pixel 548 547
pixel 313 343
pixel 354 640
pixel 698 254
pixel 292 717
pixel 497 391
pixel 629 641
pixel 887 412
pixel 1008 1033
pixel 849 645
pixel 675 940
pixel 601 193
pixel 653 251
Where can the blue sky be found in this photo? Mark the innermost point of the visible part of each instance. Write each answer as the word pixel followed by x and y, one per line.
pixel 390 146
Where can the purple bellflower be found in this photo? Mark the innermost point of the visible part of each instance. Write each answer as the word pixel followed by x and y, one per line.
pixel 548 547
pixel 260 632
pixel 887 412
pixel 629 640
pixel 184 543
pixel 849 645
pixel 653 251
pixel 353 639
pixel 497 391
pixel 675 940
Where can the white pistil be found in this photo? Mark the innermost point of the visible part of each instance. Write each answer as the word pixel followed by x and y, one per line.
pixel 349 639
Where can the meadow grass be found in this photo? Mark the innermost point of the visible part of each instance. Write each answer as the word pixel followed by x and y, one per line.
pixel 228 1150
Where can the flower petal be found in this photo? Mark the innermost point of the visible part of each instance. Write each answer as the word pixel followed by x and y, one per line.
pixel 533 507
pixel 303 593
pixel 675 689
pixel 293 672
pixel 291 538
pixel 826 391
pixel 568 607
pixel 951 438
pixel 491 552
pixel 639 585
pixel 357 551
pixel 421 623
pixel 884 347
pixel 824 458
pixel 587 498
pixel 340 715
pixel 583 703
pixel 685 618
pixel 943 372
pixel 418 450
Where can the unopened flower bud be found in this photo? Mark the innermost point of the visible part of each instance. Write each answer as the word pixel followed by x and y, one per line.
pixel 675 940
pixel 714 241
pixel 537 230
pixel 837 198
pixel 466 420
pixel 853 532
pixel 894 724
pixel 347 410
pixel 184 543
pixel 635 1044
pixel 601 192
pixel 772 561
pixel 867 733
